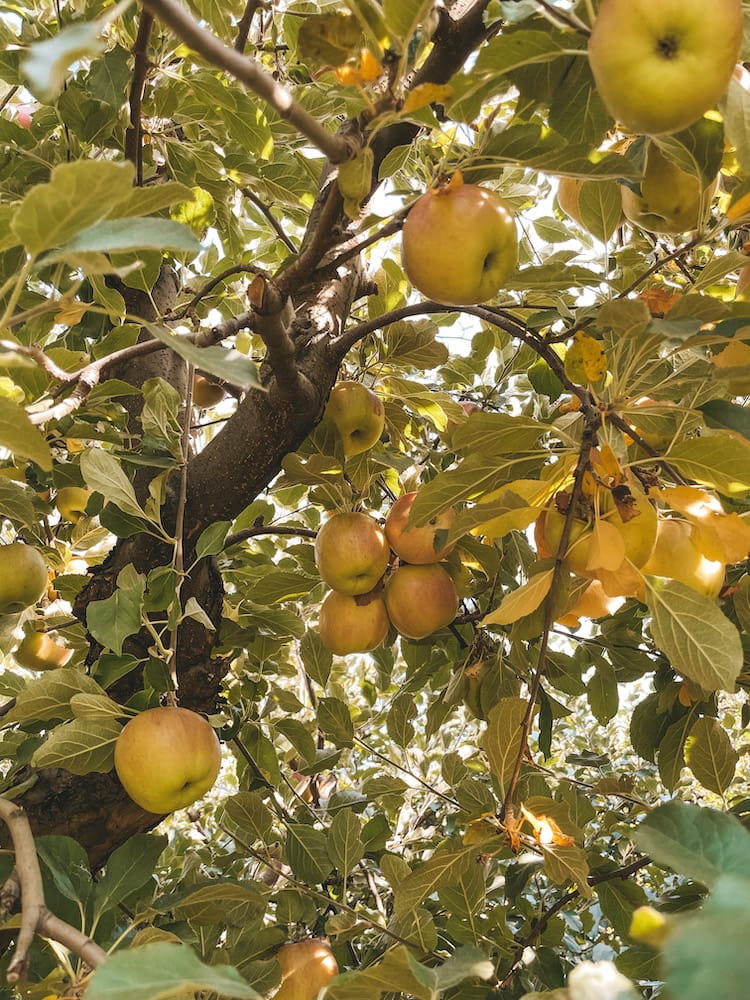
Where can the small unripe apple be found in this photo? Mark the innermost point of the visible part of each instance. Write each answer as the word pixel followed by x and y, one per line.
pixel 38 651
pixel 353 624
pixel 420 600
pixel 671 200
pixel 166 758
pixel 351 552
pixel 23 577
pixel 71 502
pixel 423 544
pixel 206 393
pixel 306 967
pixel 459 243
pixel 358 415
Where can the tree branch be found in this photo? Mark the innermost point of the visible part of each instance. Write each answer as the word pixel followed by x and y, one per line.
pixel 243 25
pixel 275 224
pixel 336 147
pixel 133 144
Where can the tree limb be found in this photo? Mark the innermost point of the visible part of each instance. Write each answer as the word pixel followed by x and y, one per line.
pixel 133 134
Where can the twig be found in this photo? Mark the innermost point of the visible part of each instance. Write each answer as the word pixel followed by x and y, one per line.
pixel 266 529
pixel 243 25
pixel 565 17
pixel 275 224
pixel 405 770
pixel 133 134
pixel 210 285
pixel 35 917
pixel 336 147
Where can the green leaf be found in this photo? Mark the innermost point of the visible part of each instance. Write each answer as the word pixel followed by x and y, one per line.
pixel 690 629
pixel 672 751
pixel 710 755
pixel 566 864
pixel 444 868
pixel 49 697
pixel 716 460
pixel 600 205
pixel 727 416
pixel 129 868
pixel 103 474
pixel 248 814
pixel 502 741
pixel 223 902
pixel 80 746
pixel 345 847
pixel 306 852
pixel 402 17
pixel 399 718
pixel 20 436
pixel 17 503
pixel 47 64
pixel 211 540
pixel 602 693
pixel 95 706
pixel 618 898
pixel 392 974
pixel 132 233
pixel 161 970
pixel 336 722
pixel 316 658
pixel 701 844
pixel 225 363
pixel 114 619
pixel 67 864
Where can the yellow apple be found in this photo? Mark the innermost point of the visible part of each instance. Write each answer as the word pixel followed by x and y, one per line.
pixel 166 758
pixel 670 200
pixel 351 552
pixel 37 651
pixel 459 244
pixel 423 544
pixel 420 600
pixel 353 624
pixel 677 557
pixel 306 967
pixel 206 393
pixel 71 502
pixel 660 64
pixel 23 577
pixel 358 415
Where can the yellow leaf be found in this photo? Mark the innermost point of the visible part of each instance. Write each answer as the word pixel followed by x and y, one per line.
pixel 521 602
pixel 585 360
pixel 606 547
pixel 427 93
pixel 740 208
pixel 497 527
pixel 70 312
pixel 723 538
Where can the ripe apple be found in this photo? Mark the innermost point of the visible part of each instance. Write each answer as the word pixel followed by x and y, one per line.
pixel 23 577
pixel 351 552
pixel 423 544
pixel 71 502
pixel 353 624
pixel 358 415
pixel 37 651
pixel 459 243
pixel 670 200
pixel 306 967
pixel 206 393
pixel 677 556
pixel 420 600
pixel 658 66
pixel 167 758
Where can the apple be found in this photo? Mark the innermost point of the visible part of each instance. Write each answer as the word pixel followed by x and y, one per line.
pixel 167 758
pixel 660 64
pixel 423 544
pixel 677 557
pixel 670 200
pixel 420 600
pixel 358 415
pixel 206 393
pixel 353 624
pixel 306 967
pixel 71 502
pixel 23 577
pixel 459 243
pixel 351 552
pixel 37 651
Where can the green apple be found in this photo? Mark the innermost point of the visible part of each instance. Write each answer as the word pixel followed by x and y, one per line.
pixel 420 600
pixel 166 758
pixel 423 544
pixel 358 415
pixel 353 624
pixel 351 552
pixel 306 967
pixel 677 557
pixel 670 200
pixel 23 577
pixel 71 502
pixel 660 64
pixel 38 651
pixel 459 243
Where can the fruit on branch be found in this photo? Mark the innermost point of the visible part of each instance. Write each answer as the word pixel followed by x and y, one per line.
pixel 459 243
pixel 206 393
pixel 71 502
pixel 658 66
pixel 38 651
pixel 677 556
pixel 353 624
pixel 306 967
pixel 671 200
pixel 166 758
pixel 358 415
pixel 351 552
pixel 420 600
pixel 23 577
pixel 421 544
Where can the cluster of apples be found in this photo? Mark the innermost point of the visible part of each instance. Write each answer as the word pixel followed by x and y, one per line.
pixel 353 553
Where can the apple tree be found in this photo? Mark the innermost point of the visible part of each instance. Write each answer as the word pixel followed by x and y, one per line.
pixel 508 762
